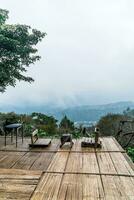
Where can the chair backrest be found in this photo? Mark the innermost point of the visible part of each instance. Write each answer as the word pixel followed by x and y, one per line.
pixel 34 136
pixel 97 134
pixel 2 123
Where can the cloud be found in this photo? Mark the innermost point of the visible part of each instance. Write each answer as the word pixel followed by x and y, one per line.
pixel 87 56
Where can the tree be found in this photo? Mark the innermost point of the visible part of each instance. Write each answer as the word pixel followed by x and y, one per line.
pixel 66 124
pixel 9 118
pixel 109 124
pixel 129 112
pixel 44 122
pixel 17 51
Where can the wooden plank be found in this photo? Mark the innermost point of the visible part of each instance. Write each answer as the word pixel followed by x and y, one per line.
pixel 17 184
pixel 25 181
pixel 71 188
pixel 92 187
pixel 118 188
pixel 120 163
pixel 105 163
pixel 14 196
pixel 82 162
pixel 89 163
pixel 26 161
pixel 19 174
pixel 108 143
pixel 43 161
pixel 8 159
pixel 58 162
pixel 48 187
pixel 81 187
pixel 9 187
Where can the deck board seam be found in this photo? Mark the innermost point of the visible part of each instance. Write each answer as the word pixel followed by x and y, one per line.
pixel 56 151
pixel 103 188
pixel 17 160
pixel 113 162
pixel 41 176
pixel 63 173
pixel 88 173
pixel 33 162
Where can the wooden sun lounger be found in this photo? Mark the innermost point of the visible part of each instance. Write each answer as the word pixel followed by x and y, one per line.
pixel 92 142
pixel 36 142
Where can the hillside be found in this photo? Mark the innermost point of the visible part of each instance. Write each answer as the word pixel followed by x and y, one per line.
pixel 93 113
pixel 78 113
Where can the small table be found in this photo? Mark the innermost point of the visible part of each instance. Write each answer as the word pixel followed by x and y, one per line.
pixel 14 127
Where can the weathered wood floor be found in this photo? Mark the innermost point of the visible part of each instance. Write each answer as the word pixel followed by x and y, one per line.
pixel 65 174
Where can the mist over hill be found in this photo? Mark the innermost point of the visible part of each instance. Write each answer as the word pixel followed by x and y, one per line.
pixel 93 113
pixel 78 113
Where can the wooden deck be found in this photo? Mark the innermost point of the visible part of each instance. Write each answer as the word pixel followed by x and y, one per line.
pixel 65 174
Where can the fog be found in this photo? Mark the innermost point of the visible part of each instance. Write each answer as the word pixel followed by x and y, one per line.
pixel 87 55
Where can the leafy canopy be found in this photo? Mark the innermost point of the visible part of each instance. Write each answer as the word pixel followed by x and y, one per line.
pixel 17 51
pixel 66 123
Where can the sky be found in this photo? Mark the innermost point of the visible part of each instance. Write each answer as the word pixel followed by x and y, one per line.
pixel 87 55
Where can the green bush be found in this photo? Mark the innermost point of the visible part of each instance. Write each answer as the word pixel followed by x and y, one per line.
pixel 42 133
pixel 130 152
pixel 76 134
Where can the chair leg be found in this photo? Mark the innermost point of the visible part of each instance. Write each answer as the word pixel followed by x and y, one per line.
pixel 5 139
pixel 72 144
pixel 22 129
pixel 12 136
pixel 16 136
pixel 62 143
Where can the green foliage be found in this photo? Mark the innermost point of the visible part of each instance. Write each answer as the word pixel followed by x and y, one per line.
pixel 130 152
pixel 3 16
pixel 28 129
pixel 9 117
pixel 66 124
pixel 42 133
pixel 45 123
pixel 129 113
pixel 109 124
pixel 76 134
pixel 17 51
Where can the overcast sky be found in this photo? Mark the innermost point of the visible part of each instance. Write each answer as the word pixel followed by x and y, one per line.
pixel 87 55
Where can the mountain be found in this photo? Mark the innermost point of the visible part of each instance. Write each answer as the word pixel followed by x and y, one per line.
pixel 93 113
pixel 78 113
